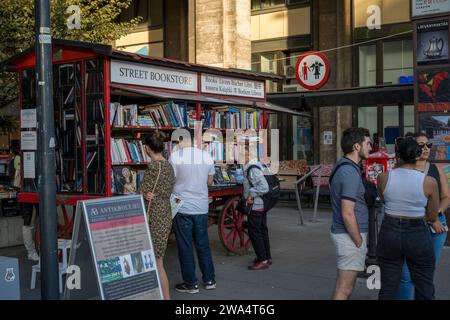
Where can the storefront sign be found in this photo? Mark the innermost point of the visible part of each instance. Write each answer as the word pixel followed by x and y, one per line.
pixel 28 118
pixel 152 76
pixel 232 87
pixel 312 70
pixel 121 249
pixel 429 7
pixel 432 42
pixel 28 140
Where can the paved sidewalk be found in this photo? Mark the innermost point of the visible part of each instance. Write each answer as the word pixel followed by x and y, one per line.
pixel 303 265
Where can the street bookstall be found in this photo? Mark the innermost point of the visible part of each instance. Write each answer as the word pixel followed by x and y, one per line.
pixel 105 101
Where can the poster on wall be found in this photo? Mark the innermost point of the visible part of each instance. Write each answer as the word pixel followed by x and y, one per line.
pixel 434 90
pixel 429 7
pixel 446 168
pixel 432 42
pixel 437 127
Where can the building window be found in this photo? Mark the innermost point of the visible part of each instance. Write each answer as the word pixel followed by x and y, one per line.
pixel 265 4
pixel 367 118
pixel 397 61
pixel 151 11
pixel 303 139
pixel 367 65
pixel 268 62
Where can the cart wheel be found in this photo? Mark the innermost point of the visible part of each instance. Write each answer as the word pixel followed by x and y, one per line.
pixel 233 231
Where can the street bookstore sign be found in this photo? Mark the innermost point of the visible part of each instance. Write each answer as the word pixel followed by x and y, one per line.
pixel 112 247
pixel 227 86
pixel 152 76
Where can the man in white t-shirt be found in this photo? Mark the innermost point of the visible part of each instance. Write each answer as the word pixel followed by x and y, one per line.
pixel 194 172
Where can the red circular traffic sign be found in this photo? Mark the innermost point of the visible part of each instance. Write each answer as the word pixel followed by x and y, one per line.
pixel 312 70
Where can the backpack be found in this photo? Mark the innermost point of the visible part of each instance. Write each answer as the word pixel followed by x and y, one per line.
pixel 371 191
pixel 270 198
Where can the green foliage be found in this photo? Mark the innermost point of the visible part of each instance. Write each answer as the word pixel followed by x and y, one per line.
pixel 99 24
pixel 8 124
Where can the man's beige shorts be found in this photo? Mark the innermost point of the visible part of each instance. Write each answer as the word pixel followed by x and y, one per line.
pixel 349 257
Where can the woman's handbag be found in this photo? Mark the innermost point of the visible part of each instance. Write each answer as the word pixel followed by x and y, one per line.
pixel 243 207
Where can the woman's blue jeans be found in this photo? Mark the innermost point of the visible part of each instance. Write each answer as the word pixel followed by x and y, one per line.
pixel 406 288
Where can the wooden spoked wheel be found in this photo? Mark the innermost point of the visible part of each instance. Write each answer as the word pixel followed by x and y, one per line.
pixel 233 230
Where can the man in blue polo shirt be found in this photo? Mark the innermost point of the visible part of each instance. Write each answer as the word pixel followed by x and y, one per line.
pixel 350 213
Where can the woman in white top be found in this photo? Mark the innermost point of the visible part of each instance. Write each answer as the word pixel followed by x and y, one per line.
pixel 410 198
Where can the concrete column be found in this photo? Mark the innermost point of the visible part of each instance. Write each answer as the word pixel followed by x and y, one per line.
pixel 222 33
pixel 333 29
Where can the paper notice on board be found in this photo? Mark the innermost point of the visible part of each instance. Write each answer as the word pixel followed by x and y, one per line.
pixel 28 118
pixel 328 137
pixel 29 165
pixel 28 140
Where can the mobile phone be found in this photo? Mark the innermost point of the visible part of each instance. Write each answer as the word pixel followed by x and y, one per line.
pixel 432 229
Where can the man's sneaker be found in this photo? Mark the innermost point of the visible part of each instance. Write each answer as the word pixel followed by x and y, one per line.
pixel 188 288
pixel 210 285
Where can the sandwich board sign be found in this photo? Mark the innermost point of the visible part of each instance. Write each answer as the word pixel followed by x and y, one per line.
pixel 112 246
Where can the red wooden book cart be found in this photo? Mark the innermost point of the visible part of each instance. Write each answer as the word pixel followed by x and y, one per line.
pixel 92 82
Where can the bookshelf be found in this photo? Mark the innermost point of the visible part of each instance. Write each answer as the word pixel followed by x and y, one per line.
pixel 127 150
pixel 94 160
pixel 68 128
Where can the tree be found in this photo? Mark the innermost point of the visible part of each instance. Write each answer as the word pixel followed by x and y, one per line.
pixel 99 24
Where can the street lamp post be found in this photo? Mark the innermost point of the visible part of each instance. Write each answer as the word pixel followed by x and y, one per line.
pixel 46 154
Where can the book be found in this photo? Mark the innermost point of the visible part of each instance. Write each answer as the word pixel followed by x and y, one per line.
pixel 175 204
pixel 125 180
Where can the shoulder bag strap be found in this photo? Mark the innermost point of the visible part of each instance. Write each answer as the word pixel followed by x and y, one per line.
pixel 154 187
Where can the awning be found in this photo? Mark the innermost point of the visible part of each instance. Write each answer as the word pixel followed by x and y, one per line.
pixel 119 90
pixel 279 109
pixel 364 96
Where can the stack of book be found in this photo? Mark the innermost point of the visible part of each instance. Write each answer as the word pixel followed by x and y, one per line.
pixel 216 150
pixel 233 118
pixel 166 114
pixel 123 151
pixel 124 115
pixel 155 115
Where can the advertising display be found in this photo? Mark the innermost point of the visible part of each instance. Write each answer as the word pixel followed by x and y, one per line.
pixel 432 42
pixel 120 250
pixel 434 90
pixel 437 128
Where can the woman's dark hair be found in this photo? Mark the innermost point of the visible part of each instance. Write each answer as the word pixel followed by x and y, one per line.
pixel 408 150
pixel 417 134
pixel 155 141
pixel 420 134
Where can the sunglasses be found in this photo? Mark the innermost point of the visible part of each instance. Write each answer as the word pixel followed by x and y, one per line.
pixel 429 145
